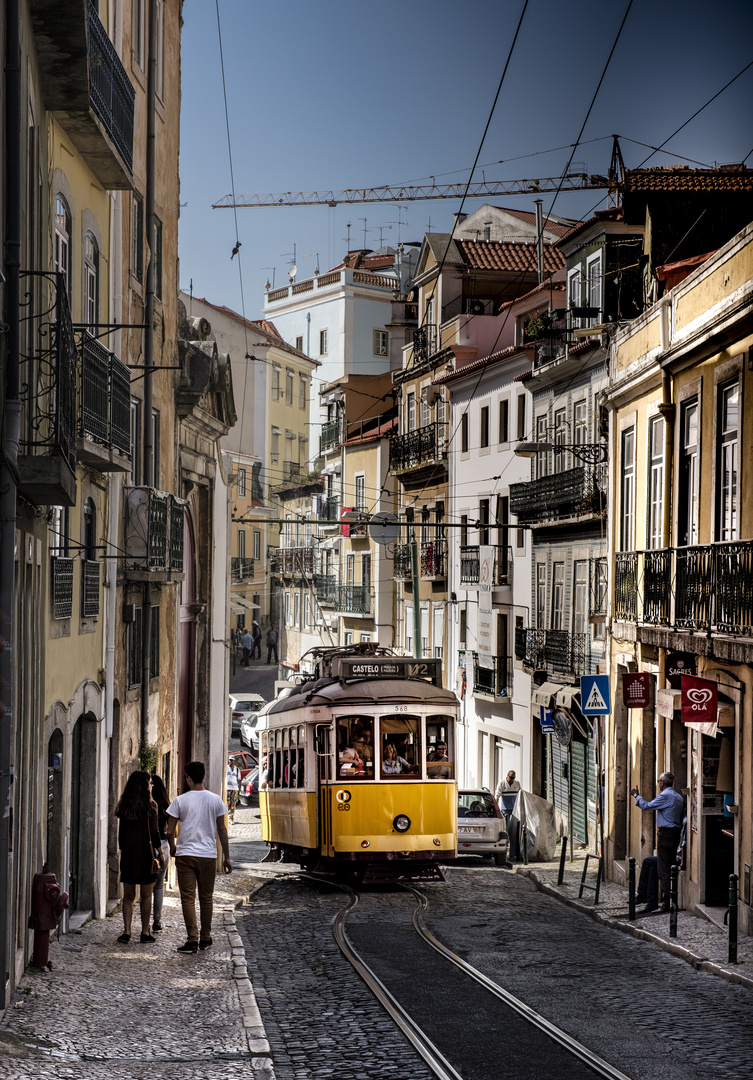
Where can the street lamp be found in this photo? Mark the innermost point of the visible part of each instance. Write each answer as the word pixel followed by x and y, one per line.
pixel 591 453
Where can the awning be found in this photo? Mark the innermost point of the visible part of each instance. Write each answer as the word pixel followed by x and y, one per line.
pixel 244 603
pixel 565 696
pixel 236 609
pixel 667 701
pixel 542 695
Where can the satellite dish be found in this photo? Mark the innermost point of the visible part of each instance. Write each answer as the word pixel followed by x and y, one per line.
pixel 292 271
pixel 384 528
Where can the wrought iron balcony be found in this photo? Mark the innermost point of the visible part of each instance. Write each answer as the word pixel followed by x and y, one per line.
pixel 401 569
pixel 61 572
pixel 556 651
pixel 47 462
pixel 434 559
pixel 626 586
pixel 90 572
pixel 332 433
pixel 470 565
pixel 104 408
pixel 325 586
pixel 112 94
pixel 353 600
pixel 177 533
pixel 295 561
pixel 154 523
pixel 421 447
pixel 241 569
pixel 572 493
pixel 495 681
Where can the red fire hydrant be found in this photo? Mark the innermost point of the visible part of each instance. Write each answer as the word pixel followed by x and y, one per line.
pixel 47 905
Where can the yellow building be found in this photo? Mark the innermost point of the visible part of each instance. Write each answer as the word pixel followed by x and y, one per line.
pixel 681 405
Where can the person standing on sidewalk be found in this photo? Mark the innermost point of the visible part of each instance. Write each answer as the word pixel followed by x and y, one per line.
pixel 670 809
pixel 247 642
pixel 272 638
pixel 201 814
pixel 256 635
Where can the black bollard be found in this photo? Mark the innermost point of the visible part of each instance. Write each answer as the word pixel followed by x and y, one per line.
pixel 674 870
pixel 631 888
pixel 732 944
pixel 563 858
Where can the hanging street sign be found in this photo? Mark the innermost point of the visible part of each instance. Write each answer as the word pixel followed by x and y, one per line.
pixel 678 664
pixel 699 700
pixel 545 719
pixel 636 689
pixel 485 629
pixel 594 695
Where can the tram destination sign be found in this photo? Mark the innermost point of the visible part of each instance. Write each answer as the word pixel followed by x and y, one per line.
pixel 391 667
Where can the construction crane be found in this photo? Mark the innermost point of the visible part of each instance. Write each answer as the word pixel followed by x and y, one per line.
pixel 411 193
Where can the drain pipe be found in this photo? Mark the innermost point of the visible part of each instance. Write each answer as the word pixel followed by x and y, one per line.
pixel 9 465
pixel 148 419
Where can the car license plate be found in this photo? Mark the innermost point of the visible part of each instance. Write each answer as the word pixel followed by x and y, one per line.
pixel 470 830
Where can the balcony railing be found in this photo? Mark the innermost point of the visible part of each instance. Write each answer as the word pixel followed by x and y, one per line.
pixel 704 588
pixel 434 559
pixel 325 586
pixel 572 493
pixel 331 508
pixel 470 564
pixel 353 600
pixel 90 588
pixel 154 531
pixel 241 569
pixel 104 397
pixel 421 447
pixel 112 94
pixel 296 561
pixel 401 568
pixel 494 681
pixel 553 651
pixel 332 433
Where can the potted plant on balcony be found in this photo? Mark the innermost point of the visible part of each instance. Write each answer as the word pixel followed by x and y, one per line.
pixel 539 326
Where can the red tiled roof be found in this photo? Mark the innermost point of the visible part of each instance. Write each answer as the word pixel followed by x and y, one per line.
pixel 683 267
pixel 375 433
pixel 364 259
pixel 614 213
pixel 267 326
pixel 476 365
pixel 561 228
pixel 260 326
pixel 545 286
pixel 496 255
pixel 681 178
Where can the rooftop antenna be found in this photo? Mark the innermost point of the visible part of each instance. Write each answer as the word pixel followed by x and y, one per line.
pixel 363 219
pixel 399 221
pixel 347 226
pixel 293 267
pixel 313 255
pixel 273 269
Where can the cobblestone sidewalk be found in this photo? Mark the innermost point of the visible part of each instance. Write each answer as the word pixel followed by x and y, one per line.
pixel 131 1012
pixel 699 941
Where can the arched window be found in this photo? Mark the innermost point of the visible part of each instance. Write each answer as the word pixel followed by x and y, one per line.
pixel 63 241
pixel 91 280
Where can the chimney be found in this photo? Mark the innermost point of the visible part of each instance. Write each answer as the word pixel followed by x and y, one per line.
pixel 458 219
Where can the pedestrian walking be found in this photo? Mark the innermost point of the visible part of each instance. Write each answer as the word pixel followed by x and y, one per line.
pixel 247 642
pixel 162 799
pixel 272 639
pixel 670 808
pixel 509 784
pixel 138 839
pixel 232 784
pixel 256 635
pixel 201 814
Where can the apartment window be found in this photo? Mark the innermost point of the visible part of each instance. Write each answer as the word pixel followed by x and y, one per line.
pixel 91 281
pixel 580 426
pixel 289 379
pixel 160 87
pixel 504 410
pixel 299 342
pixel 157 258
pixel 410 418
pixel 381 343
pixel 63 241
pixel 133 636
pixel 558 596
pixel 241 482
pixel 438 632
pixel 464 433
pixel 275 452
pixel 487 231
pixel 360 496
pixel 297 610
pixel 366 571
pixel 156 432
pixel 276 372
pixel 287 609
pixel 424 631
pixel 137 236
pixel 655 482
pixel 323 342
pixel 540 596
pixel 463 530
pixel 689 450
pixel 521 416
pixel 580 596
pixel 348 637
pixel 627 522
pixel 307 610
pixel 154 645
pixel 408 629
pixel 136 447
pixel 574 293
pixel 483 517
pixel 350 569
pixel 594 274
pixel 484 425
pixel 241 543
pixel 302 387
pixel 425 408
pixel 560 439
pixel 462 627
pixel 599 594
pixel 139 33
pixel 365 637
pixel 257 544
pixel 727 458
pixel 542 458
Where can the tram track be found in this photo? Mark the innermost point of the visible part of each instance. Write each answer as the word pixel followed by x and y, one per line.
pixel 492 1020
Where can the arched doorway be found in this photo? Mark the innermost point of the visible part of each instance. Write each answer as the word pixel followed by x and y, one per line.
pixel 186 657
pixel 83 812
pixel 55 808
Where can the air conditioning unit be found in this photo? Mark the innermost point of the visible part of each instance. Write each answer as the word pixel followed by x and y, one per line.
pixel 476 307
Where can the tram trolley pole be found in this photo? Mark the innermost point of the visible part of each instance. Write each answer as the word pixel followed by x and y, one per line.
pixel 732 914
pixel 674 870
pixel 631 888
pixel 563 859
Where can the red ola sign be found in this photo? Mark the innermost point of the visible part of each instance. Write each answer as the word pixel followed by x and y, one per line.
pixel 699 699
pixel 636 689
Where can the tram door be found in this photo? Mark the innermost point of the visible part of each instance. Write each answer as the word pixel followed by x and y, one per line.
pixel 323 745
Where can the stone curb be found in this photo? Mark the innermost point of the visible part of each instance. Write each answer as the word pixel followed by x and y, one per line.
pixel 700 963
pixel 256 1035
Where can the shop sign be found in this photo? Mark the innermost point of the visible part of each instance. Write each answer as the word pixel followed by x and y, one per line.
pixel 677 665
pixel 665 703
pixel 699 700
pixel 484 632
pixel 636 689
pixel 545 719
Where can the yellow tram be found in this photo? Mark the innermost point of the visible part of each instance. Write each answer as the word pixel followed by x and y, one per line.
pixel 360 766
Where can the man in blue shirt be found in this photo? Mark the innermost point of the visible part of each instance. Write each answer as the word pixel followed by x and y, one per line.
pixel 670 809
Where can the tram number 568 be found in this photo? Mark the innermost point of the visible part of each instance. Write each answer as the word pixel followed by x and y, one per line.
pixel 343 800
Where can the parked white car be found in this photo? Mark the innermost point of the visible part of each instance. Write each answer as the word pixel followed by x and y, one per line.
pixel 248 733
pixel 243 705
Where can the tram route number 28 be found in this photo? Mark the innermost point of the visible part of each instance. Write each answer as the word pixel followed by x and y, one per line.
pixel 343 800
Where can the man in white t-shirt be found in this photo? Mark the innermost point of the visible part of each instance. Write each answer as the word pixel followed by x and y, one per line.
pixel 201 814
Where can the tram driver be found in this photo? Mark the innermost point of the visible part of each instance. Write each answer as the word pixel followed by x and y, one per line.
pixel 392 763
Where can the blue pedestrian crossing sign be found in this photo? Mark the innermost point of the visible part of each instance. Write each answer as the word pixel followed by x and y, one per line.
pixel 594 695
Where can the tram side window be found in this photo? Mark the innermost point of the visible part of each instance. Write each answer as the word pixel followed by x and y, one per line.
pixel 355 747
pixel 400 746
pixel 440 749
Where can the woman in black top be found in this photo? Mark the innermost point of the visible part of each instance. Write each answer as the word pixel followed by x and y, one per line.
pixel 138 836
pixel 162 799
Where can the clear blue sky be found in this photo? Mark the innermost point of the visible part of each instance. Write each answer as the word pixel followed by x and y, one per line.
pixel 339 95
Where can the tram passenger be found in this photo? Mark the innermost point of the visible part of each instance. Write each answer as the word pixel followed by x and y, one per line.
pixel 367 752
pixel 438 764
pixel 392 763
pixel 351 762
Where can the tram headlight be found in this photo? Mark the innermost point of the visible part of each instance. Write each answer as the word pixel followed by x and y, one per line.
pixel 401 823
